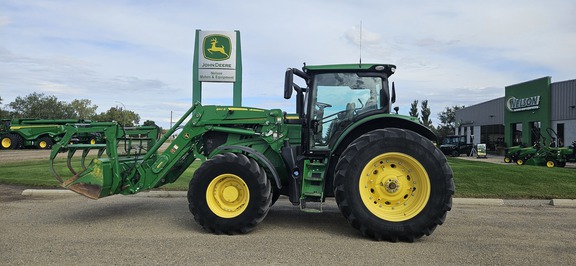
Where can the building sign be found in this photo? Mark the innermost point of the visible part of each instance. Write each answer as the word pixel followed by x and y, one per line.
pixel 217 62
pixel 514 104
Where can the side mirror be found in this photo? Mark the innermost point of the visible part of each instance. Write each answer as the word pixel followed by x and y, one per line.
pixel 393 93
pixel 288 83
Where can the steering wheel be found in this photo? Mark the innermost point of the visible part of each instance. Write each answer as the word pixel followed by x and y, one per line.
pixel 322 105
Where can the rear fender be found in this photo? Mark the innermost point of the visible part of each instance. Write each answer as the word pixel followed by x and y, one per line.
pixel 368 124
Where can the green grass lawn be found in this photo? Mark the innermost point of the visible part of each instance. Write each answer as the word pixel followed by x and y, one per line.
pixel 472 178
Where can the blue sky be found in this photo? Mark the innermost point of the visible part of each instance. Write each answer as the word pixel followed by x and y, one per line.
pixel 140 53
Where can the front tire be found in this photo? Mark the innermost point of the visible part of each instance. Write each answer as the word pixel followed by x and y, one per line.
pixel 12 141
pixel 5 142
pixel 229 194
pixel 393 184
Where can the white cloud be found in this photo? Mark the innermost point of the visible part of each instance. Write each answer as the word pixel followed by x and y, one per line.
pixel 140 53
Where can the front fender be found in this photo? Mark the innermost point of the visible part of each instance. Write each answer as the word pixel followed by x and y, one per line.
pixel 259 157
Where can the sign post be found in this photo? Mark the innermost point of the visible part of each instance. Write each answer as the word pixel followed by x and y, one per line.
pixel 217 58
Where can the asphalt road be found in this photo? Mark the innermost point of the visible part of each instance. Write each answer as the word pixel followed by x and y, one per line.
pixel 121 230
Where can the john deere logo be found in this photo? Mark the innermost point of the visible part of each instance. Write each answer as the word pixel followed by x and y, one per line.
pixel 217 47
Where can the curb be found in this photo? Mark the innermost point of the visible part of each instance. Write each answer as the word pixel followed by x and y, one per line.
pixel 563 202
pixel 64 192
pixel 475 201
pixel 181 194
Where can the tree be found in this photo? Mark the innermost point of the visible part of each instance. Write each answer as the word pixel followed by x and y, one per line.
pixel 152 123
pixel 448 120
pixel 3 113
pixel 83 109
pixel 426 121
pixel 123 117
pixel 414 109
pixel 149 123
pixel 37 105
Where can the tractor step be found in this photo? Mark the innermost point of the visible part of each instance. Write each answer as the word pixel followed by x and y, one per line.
pixel 312 195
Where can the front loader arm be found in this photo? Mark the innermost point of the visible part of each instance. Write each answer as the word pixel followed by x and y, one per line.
pixel 132 171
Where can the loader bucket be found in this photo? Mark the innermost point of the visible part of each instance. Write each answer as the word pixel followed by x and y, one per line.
pixel 89 182
pixel 93 181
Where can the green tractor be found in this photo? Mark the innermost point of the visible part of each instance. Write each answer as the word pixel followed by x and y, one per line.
pixel 550 155
pixel 521 153
pixel 542 154
pixel 388 178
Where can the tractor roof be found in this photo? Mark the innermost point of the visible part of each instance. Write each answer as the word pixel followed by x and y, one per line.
pixel 386 68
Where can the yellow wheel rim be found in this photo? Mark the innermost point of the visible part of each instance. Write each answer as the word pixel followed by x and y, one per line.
pixel 6 142
pixel 550 164
pixel 92 141
pixel 507 160
pixel 42 144
pixel 394 186
pixel 520 162
pixel 227 195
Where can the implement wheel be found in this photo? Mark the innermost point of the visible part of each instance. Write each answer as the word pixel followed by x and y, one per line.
pixel 229 194
pixel 44 143
pixel 551 163
pixel 507 159
pixel 393 184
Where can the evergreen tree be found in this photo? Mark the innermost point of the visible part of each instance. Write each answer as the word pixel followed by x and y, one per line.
pixel 414 109
pixel 426 121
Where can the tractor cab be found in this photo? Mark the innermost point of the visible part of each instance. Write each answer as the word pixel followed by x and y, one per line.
pixel 336 96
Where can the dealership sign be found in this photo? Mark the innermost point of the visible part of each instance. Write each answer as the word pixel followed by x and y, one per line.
pixel 217 62
pixel 529 103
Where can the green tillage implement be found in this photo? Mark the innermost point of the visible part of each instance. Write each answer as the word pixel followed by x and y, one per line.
pixel 388 178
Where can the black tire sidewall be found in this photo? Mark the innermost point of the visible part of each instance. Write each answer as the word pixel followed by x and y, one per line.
pixel 2 140
pixel 416 146
pixel 250 173
pixel 48 142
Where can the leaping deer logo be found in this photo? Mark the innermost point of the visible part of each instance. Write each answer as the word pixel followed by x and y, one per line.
pixel 214 48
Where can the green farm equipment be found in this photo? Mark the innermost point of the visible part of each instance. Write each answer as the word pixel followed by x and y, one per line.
pixel 520 154
pixel 39 133
pixel 542 154
pixel 388 178
pixel 550 155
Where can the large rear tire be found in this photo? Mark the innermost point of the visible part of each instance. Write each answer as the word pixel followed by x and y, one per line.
pixel 229 194
pixel 393 184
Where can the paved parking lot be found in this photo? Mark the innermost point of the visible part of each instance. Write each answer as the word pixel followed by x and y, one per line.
pixel 121 230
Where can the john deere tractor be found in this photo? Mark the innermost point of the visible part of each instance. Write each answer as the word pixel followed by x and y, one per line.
pixel 388 178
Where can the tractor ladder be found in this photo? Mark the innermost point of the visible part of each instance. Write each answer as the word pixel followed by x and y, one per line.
pixel 312 195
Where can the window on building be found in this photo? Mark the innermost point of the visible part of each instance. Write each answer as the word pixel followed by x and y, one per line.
pixel 493 137
pixel 516 134
pixel 535 134
pixel 560 132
